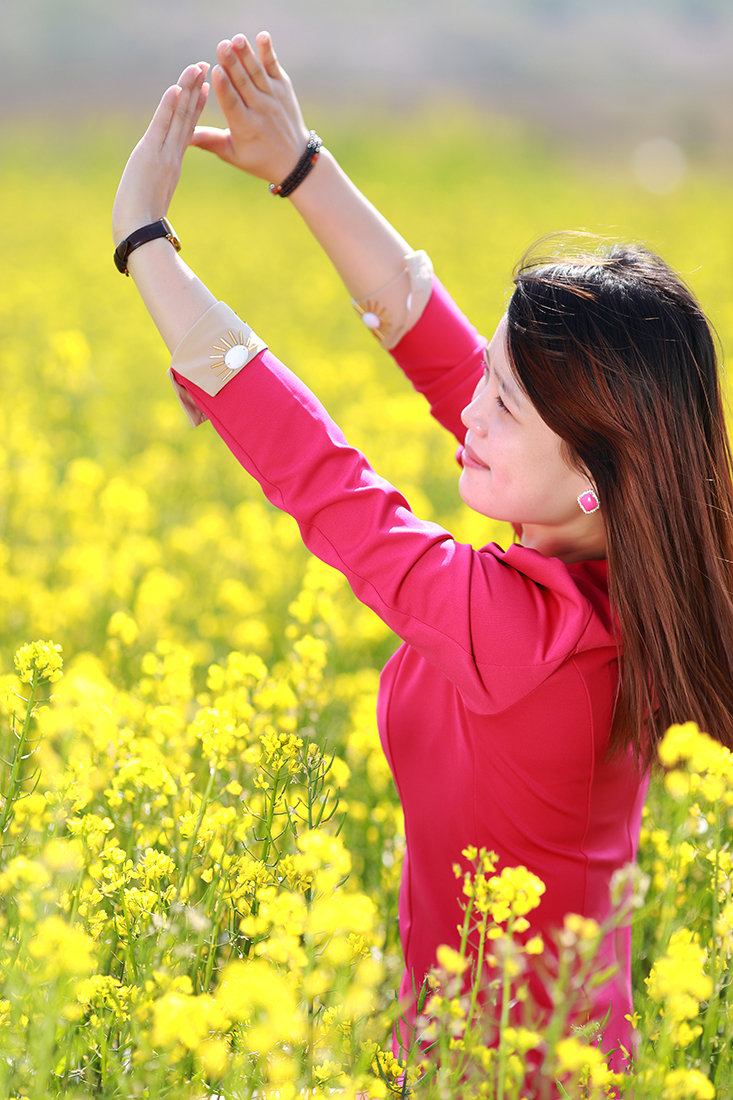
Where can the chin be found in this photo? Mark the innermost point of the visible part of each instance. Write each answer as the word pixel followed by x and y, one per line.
pixel 477 502
pixel 468 496
pixel 478 507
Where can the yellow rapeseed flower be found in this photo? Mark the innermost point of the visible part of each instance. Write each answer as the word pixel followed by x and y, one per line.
pixel 42 659
pixel 123 626
pixel 63 856
pixel 688 1084
pixel 255 993
pixel 703 766
pixel 677 980
pixel 451 960
pixel 344 913
pixel 582 1061
pixel 61 949
pixel 522 1038
pixel 182 1018
pixel 213 1056
pixel 514 892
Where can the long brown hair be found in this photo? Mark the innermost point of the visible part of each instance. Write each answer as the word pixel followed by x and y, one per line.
pixel 618 358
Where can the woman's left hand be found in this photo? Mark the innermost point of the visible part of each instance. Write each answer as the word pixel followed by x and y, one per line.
pixel 154 168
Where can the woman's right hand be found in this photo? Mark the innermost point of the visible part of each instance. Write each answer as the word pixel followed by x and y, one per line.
pixel 266 133
pixel 267 136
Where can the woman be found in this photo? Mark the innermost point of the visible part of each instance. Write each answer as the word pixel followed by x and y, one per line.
pixel 592 422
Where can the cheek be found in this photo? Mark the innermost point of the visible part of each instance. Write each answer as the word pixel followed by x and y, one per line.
pixel 535 466
pixel 548 454
pixel 510 453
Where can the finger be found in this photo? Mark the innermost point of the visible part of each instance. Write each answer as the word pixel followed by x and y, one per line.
pixel 238 76
pixel 161 121
pixel 199 96
pixel 192 75
pixel 268 58
pixel 251 63
pixel 190 104
pixel 203 97
pixel 213 140
pixel 232 105
pixel 197 110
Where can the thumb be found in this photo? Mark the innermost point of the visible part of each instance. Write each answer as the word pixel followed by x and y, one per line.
pixel 213 140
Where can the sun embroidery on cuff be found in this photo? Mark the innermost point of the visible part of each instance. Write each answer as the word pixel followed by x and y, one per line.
pixel 375 317
pixel 232 353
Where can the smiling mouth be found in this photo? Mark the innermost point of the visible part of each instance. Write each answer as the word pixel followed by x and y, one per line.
pixel 471 459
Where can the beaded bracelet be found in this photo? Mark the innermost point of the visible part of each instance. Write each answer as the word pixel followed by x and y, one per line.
pixel 301 170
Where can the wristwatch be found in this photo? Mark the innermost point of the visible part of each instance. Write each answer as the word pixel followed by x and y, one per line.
pixel 161 228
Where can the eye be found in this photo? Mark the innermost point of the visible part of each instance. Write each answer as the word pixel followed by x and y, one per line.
pixel 501 405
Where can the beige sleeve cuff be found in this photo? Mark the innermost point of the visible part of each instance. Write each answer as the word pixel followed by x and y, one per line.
pixel 213 350
pixel 394 308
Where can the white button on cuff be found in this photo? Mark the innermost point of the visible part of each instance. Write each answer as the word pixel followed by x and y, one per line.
pixel 371 320
pixel 215 349
pixel 236 357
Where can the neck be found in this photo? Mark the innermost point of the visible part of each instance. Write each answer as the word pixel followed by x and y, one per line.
pixel 583 539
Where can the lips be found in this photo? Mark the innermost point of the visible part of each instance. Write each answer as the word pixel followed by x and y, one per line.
pixel 470 459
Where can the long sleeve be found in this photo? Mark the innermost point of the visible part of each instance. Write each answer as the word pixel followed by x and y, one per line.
pixel 443 356
pixel 471 613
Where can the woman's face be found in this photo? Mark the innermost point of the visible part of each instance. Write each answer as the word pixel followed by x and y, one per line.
pixel 513 465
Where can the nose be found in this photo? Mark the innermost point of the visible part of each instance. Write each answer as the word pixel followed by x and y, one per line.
pixel 474 415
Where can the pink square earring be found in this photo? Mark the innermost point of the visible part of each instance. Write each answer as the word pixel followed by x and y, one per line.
pixel 588 501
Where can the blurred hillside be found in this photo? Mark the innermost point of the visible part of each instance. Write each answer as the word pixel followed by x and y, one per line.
pixel 587 71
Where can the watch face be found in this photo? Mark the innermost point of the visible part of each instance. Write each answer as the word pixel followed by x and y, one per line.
pixel 171 234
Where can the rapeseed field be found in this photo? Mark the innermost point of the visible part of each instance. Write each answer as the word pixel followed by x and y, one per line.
pixel 201 843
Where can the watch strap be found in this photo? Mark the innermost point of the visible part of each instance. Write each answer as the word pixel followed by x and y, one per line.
pixel 161 228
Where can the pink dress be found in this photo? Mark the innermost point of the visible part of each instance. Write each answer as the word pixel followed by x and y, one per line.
pixel 495 711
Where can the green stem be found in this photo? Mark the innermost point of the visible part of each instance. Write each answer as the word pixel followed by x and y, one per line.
pixel 136 816
pixel 268 842
pixel 14 782
pixel 201 939
pixel 103 1059
pixel 711 1013
pixel 505 994
pixel 479 970
pixel 129 949
pixel 77 896
pixel 474 992
pixel 192 839
pixel 211 958
pixel 310 949
pixel 466 927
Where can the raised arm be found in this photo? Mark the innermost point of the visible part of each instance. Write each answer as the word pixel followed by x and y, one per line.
pixel 173 295
pixel 446 599
pixel 266 136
